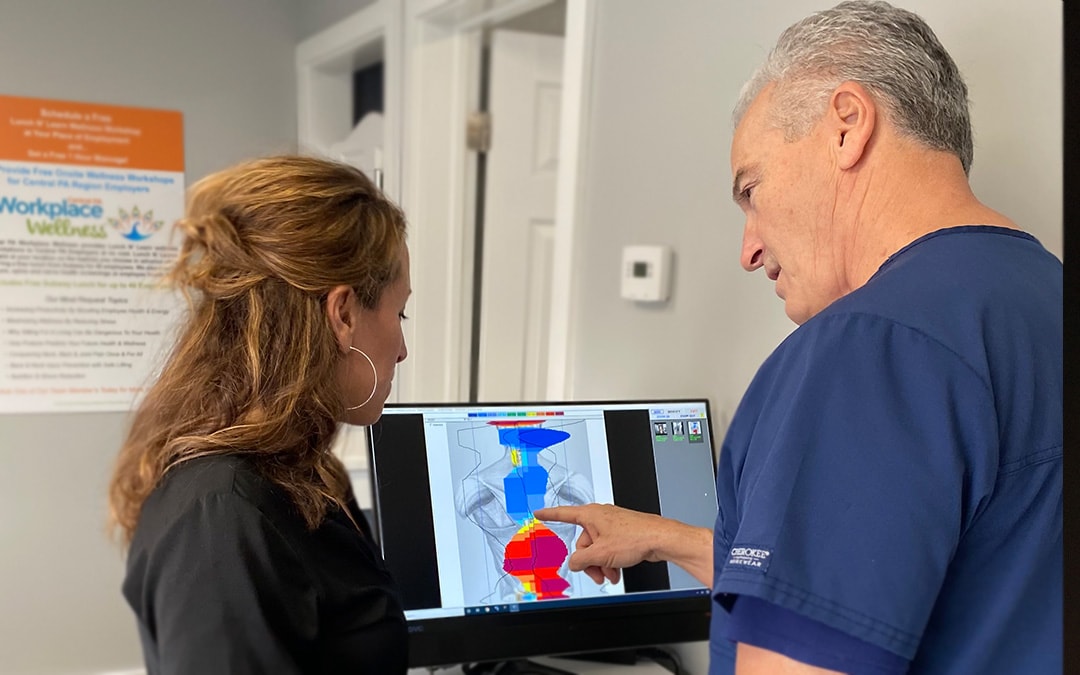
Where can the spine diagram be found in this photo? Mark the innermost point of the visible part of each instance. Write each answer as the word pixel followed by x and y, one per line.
pixel 535 553
pixel 503 471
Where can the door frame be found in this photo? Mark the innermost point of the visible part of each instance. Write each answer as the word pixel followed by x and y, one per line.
pixel 324 66
pixel 569 193
pixel 324 78
pixel 438 188
pixel 430 172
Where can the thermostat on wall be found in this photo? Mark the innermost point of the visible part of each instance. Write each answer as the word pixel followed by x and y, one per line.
pixel 646 273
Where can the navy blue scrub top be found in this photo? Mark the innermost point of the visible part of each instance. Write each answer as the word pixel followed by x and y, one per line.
pixel 894 470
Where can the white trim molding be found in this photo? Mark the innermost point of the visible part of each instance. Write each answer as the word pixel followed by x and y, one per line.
pixel 570 197
pixel 325 63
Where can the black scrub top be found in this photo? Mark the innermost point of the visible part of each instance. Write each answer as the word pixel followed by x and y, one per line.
pixel 225 577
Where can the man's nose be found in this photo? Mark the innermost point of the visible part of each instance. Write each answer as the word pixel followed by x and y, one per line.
pixel 753 250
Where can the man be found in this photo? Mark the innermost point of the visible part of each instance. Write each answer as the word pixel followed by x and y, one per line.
pixel 890 486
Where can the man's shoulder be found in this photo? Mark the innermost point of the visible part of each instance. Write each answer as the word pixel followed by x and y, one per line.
pixel 964 245
pixel 971 264
pixel 959 286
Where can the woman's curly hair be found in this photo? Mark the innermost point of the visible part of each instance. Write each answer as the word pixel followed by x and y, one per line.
pixel 253 369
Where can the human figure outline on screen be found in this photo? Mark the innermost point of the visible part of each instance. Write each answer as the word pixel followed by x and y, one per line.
pixel 499 498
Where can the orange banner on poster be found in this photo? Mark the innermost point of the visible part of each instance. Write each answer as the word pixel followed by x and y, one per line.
pixel 90 134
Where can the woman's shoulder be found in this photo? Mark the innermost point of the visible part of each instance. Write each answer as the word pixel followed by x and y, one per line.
pixel 211 474
pixel 221 479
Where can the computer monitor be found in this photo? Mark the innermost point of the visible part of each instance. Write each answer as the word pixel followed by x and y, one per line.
pixel 455 487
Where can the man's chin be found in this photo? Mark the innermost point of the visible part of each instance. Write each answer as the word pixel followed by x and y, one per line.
pixel 796 314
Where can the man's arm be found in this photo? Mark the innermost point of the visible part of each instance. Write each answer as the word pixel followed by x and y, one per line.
pixel 763 631
pixel 751 660
pixel 613 538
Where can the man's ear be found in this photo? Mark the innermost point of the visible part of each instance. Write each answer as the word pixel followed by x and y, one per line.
pixel 853 116
pixel 340 310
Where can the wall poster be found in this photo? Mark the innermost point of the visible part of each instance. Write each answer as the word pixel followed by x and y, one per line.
pixel 88 196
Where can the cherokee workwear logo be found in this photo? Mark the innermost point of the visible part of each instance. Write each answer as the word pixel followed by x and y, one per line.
pixel 749 557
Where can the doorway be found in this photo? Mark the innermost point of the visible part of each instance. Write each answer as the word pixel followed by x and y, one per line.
pixel 517 168
pixel 472 339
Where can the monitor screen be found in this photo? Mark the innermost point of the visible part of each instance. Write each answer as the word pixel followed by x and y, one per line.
pixel 455 488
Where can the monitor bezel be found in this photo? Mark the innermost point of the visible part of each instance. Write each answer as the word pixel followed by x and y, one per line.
pixel 473 638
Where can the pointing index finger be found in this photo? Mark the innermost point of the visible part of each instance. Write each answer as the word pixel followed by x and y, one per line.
pixel 560 514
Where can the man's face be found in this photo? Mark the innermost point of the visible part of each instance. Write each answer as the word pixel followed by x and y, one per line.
pixel 787 191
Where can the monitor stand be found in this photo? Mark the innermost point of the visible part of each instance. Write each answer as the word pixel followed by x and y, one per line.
pixel 661 656
pixel 626 657
pixel 512 667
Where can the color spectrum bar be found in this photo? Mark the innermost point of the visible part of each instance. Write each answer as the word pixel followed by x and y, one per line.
pixel 525 413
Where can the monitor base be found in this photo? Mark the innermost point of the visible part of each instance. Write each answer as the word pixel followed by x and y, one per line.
pixel 664 658
pixel 625 657
pixel 512 667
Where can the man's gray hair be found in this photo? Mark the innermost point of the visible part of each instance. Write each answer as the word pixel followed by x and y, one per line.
pixel 889 51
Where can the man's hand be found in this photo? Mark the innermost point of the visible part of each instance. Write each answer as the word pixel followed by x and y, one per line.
pixel 613 538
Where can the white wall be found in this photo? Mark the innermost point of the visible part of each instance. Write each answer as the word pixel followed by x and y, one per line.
pixel 228 66
pixel 666 75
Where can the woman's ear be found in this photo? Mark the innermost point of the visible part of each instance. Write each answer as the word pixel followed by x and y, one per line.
pixel 341 311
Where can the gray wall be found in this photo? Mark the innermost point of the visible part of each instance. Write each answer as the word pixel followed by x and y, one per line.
pixel 665 78
pixel 228 66
pixel 317 15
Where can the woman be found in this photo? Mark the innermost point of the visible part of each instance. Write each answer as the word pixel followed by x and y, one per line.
pixel 247 552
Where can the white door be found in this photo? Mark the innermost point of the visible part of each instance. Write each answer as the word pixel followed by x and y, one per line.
pixel 519 215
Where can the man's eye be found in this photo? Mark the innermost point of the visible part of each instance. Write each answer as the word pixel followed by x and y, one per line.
pixel 746 193
pixel 401 315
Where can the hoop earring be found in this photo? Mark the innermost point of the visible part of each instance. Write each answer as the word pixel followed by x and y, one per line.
pixel 374 371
